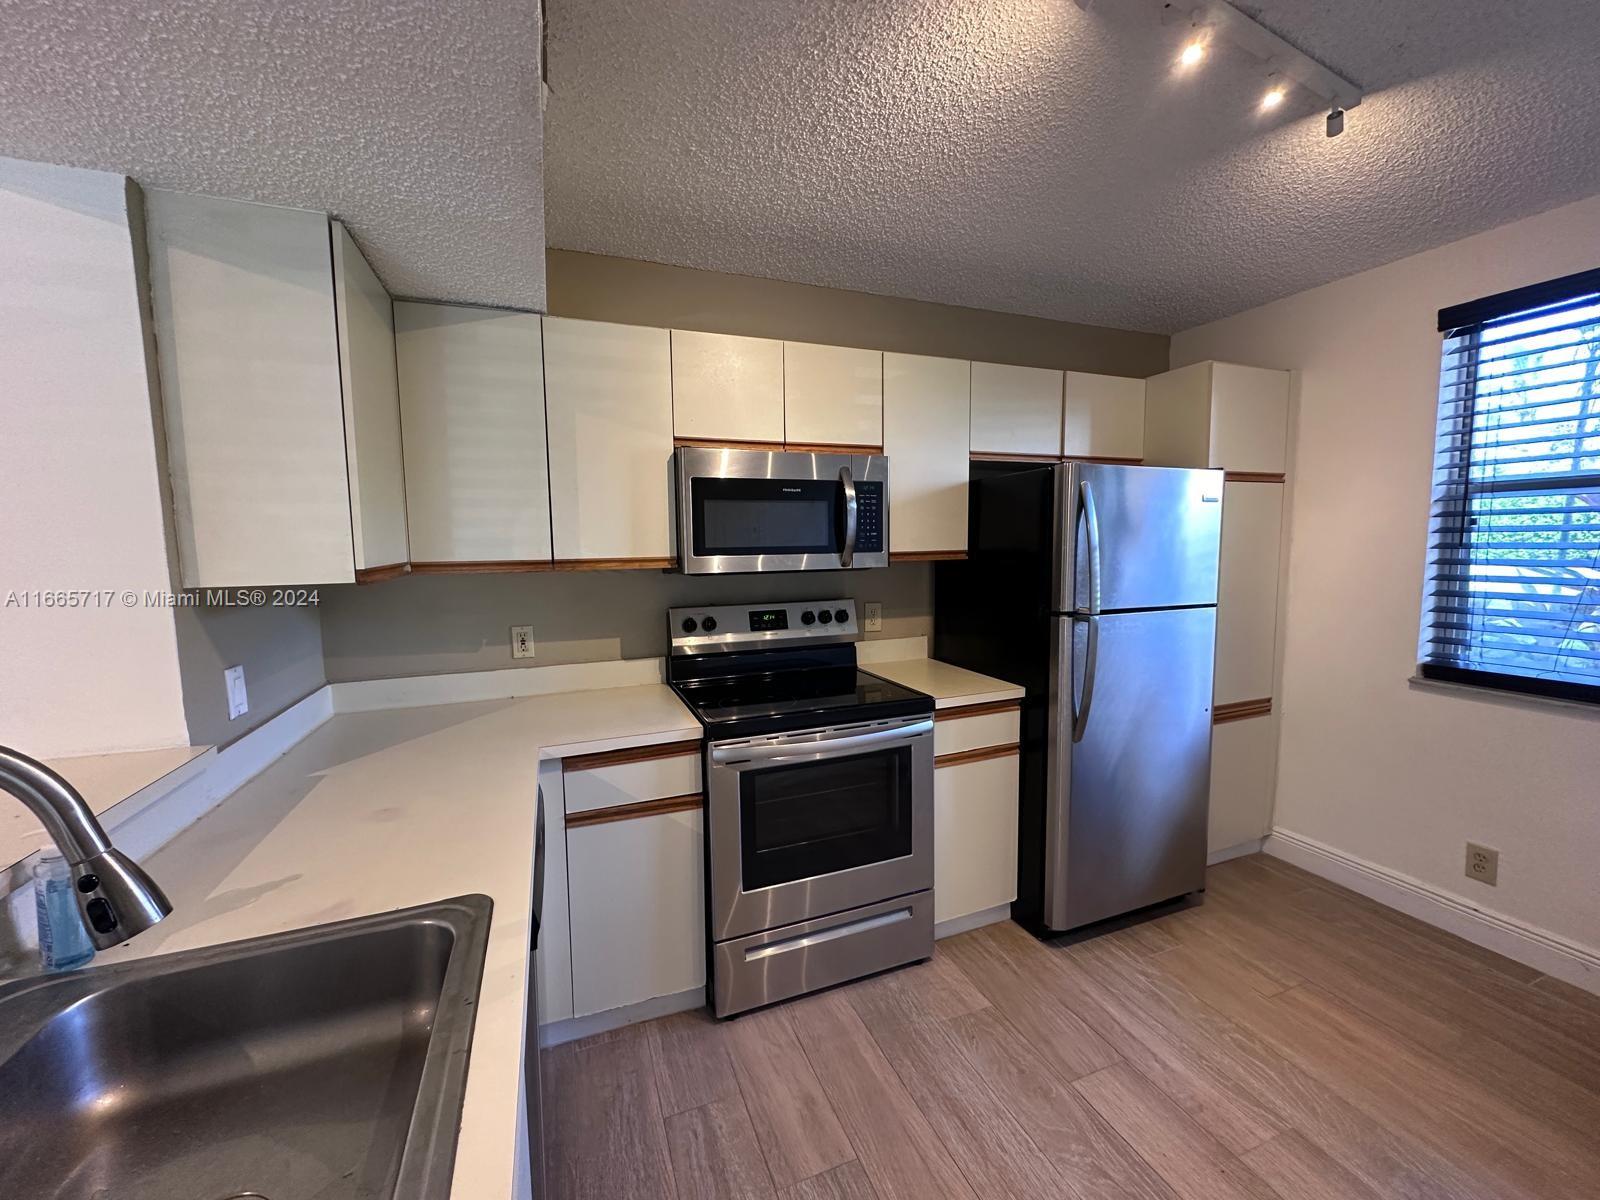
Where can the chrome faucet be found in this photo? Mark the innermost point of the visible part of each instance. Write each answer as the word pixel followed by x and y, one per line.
pixel 115 897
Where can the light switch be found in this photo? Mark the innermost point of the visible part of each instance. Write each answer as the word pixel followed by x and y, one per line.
pixel 238 698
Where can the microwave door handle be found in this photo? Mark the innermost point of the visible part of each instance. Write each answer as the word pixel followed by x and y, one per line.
pixel 848 483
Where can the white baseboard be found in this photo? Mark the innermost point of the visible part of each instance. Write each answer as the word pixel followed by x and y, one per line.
pixel 1253 846
pixel 1540 949
pixel 573 1028
pixel 977 920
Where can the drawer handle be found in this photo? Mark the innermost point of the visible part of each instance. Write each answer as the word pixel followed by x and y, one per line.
pixel 849 928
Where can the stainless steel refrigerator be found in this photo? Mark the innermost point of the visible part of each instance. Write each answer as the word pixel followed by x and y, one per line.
pixel 1095 587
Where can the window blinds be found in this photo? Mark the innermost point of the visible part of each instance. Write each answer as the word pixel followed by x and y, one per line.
pixel 1513 593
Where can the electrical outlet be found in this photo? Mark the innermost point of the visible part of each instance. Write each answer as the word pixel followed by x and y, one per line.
pixel 874 619
pixel 238 698
pixel 1483 864
pixel 522 641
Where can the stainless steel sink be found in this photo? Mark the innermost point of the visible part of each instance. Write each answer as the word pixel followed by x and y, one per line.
pixel 321 1064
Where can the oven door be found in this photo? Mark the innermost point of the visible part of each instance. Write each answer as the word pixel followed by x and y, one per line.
pixel 757 510
pixel 802 825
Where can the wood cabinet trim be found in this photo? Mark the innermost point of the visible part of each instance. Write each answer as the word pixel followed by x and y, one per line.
pixel 926 555
pixel 982 709
pixel 998 456
pixel 1253 476
pixel 379 574
pixel 692 802
pixel 484 567
pixel 629 754
pixel 830 448
pixel 980 754
pixel 1109 460
pixel 613 564
pixel 726 444
pixel 1241 710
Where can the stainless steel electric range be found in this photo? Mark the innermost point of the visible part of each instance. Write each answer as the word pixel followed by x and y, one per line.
pixel 819 801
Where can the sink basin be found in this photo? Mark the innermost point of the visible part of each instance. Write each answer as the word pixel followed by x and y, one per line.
pixel 321 1064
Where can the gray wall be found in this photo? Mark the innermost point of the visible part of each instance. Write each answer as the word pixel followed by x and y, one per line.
pixel 597 287
pixel 435 623
pixel 279 648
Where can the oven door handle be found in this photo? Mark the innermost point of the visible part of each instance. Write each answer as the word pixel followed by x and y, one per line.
pixel 848 483
pixel 821 748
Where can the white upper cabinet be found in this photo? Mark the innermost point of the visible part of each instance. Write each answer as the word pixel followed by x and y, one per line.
pixel 1016 411
pixel 926 417
pixel 365 316
pixel 1247 598
pixel 832 395
pixel 726 388
pixel 472 399
pixel 1103 417
pixel 608 398
pixel 255 401
pixel 1218 415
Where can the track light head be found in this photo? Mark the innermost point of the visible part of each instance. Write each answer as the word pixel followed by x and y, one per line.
pixel 1335 121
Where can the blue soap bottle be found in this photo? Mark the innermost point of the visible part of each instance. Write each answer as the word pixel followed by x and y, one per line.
pixel 63 941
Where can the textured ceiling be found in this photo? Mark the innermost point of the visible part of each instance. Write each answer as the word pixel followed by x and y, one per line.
pixel 415 121
pixel 1028 156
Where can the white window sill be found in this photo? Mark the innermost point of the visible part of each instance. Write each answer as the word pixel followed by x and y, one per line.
pixel 1493 695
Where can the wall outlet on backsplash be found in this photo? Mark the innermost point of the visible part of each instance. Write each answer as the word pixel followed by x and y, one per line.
pixel 522 641
pixel 872 622
pixel 238 698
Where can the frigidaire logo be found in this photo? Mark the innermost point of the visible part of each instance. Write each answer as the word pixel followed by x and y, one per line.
pixel 796 490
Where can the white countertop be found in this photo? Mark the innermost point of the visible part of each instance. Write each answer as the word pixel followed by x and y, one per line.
pixel 376 811
pixel 381 810
pixel 950 687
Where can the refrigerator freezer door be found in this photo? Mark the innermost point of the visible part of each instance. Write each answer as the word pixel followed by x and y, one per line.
pixel 1138 537
pixel 1127 801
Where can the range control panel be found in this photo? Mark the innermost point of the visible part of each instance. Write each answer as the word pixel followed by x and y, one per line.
pixel 750 626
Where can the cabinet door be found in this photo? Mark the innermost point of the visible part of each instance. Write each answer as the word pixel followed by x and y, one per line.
pixel 832 395
pixel 1243 767
pixel 1247 591
pixel 1249 418
pixel 1177 417
pixel 365 317
pixel 726 389
pixel 637 895
pixel 472 399
pixel 974 837
pixel 242 297
pixel 1103 417
pixel 1016 411
pixel 608 396
pixel 927 406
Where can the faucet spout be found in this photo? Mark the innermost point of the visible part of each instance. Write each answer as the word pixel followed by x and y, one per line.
pixel 115 897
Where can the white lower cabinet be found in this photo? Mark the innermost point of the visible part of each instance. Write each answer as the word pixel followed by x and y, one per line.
pixel 1243 767
pixel 637 891
pixel 974 837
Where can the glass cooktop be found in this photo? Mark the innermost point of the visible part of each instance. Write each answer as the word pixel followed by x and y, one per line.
pixel 783 701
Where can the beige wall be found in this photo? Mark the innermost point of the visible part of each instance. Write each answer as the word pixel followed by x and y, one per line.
pixel 599 288
pixel 1393 774
pixel 429 623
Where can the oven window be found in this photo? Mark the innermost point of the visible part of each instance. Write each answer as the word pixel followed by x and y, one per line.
pixel 806 819
pixel 765 516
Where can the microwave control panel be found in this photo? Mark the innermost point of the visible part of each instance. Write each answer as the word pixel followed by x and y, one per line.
pixel 869 517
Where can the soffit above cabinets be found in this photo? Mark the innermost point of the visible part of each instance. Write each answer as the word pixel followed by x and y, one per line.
pixel 414 122
pixel 1039 158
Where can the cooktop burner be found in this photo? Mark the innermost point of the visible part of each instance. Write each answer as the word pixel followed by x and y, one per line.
pixel 755 673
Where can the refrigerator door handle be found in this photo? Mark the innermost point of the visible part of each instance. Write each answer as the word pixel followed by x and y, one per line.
pixel 1091 525
pixel 1091 662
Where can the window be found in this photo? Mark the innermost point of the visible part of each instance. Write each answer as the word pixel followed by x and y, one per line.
pixel 1513 596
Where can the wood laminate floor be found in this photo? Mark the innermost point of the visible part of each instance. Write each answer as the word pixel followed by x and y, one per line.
pixel 1285 1039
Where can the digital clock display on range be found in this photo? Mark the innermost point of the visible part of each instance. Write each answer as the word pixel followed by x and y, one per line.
pixel 763 619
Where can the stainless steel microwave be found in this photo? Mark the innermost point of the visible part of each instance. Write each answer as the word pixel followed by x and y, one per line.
pixel 767 510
